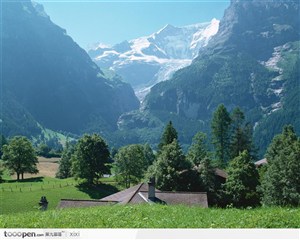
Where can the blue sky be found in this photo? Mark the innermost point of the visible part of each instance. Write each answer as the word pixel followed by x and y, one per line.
pixel 111 22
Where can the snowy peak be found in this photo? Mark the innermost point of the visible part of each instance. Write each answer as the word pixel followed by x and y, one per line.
pixel 150 59
pixel 169 42
pixel 184 42
pixel 205 35
pixel 168 29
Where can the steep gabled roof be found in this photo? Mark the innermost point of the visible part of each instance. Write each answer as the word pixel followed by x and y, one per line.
pixel 173 198
pixel 261 162
pixel 139 194
pixel 126 195
pixel 221 173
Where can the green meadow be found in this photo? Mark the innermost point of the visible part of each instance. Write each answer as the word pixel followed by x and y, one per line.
pixel 24 196
pixel 154 216
pixel 19 209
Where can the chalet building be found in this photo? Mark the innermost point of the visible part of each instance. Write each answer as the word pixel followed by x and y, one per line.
pixel 147 193
pixel 142 193
pixel 261 162
pixel 221 175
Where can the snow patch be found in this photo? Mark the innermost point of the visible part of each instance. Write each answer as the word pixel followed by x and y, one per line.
pixel 165 72
pixel 278 92
pixel 205 34
pixel 275 107
pixel 106 54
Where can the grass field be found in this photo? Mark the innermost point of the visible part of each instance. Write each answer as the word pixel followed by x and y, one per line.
pixel 154 216
pixel 24 196
pixel 47 168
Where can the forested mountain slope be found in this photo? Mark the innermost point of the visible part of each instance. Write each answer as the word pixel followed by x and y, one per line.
pixel 47 78
pixel 252 62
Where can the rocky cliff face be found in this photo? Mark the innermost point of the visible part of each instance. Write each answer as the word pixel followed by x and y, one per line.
pixel 257 27
pixel 52 78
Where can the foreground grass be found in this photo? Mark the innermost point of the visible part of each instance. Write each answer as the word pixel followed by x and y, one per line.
pixel 155 216
pixel 24 196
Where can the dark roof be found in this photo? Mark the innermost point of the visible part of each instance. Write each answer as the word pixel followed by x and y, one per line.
pixel 261 162
pixel 173 198
pixel 139 194
pixel 68 203
pixel 126 195
pixel 221 173
pixel 123 196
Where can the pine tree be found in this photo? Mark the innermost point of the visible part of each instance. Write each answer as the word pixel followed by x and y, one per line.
pixel 205 179
pixel 221 134
pixel 168 136
pixel 281 182
pixel 198 150
pixel 148 153
pixel 241 135
pixel 242 182
pixel 170 164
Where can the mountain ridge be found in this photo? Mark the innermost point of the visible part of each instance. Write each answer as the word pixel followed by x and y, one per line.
pixel 53 79
pixel 249 63
pixel 147 60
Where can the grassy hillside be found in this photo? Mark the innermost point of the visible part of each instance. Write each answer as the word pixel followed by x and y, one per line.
pixel 155 216
pixel 24 196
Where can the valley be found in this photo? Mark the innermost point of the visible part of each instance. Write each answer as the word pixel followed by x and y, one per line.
pixel 128 99
pixel 200 122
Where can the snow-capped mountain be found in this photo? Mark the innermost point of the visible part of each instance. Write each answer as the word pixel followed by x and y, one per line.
pixel 148 60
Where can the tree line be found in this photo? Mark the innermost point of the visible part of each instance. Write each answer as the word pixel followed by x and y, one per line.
pixel 276 183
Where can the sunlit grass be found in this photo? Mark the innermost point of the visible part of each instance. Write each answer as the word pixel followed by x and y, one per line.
pixel 155 216
pixel 24 196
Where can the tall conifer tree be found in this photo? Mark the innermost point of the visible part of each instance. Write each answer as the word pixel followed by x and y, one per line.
pixel 168 136
pixel 198 150
pixel 169 165
pixel 241 135
pixel 221 134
